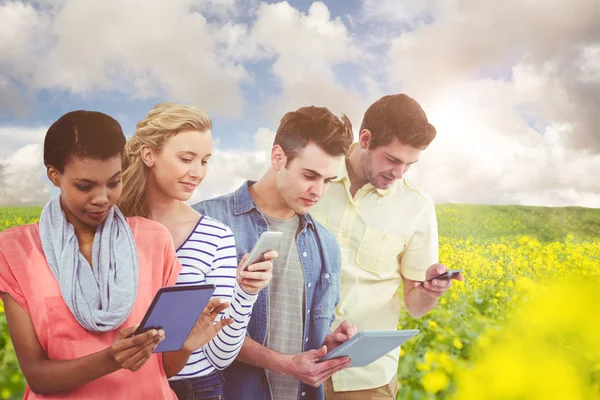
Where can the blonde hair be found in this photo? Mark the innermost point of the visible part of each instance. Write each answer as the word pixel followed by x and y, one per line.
pixel 163 121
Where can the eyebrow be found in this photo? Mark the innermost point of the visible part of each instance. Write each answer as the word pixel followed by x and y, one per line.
pixel 312 171
pixel 396 159
pixel 94 182
pixel 192 153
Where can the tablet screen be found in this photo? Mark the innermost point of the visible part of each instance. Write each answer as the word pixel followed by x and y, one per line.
pixel 175 310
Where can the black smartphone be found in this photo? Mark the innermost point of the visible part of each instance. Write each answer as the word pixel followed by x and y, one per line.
pixel 446 275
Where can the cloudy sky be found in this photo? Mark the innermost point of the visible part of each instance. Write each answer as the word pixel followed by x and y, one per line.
pixel 513 87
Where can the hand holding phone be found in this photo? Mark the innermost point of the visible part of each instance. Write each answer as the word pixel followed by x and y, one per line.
pixel 268 241
pixel 449 274
pixel 440 282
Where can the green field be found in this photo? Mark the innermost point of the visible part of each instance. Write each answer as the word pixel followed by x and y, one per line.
pixel 523 325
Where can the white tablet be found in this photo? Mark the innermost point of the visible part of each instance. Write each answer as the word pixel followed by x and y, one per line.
pixel 368 346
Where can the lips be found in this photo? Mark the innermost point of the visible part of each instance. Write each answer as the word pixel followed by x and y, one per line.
pixel 388 180
pixel 308 202
pixel 97 214
pixel 189 186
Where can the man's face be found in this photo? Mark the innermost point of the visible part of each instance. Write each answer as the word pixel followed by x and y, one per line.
pixel 383 165
pixel 306 178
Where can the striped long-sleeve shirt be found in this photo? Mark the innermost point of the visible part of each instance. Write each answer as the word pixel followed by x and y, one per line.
pixel 208 256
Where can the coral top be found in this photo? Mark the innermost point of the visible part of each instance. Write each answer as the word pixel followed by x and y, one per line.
pixel 26 276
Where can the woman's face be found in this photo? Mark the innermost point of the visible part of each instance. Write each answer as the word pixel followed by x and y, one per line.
pixel 88 189
pixel 180 166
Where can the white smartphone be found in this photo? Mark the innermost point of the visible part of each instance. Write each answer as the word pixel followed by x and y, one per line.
pixel 268 241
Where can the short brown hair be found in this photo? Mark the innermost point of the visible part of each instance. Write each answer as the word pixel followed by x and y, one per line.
pixel 313 124
pixel 398 116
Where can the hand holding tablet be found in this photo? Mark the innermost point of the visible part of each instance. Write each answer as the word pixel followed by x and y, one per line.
pixel 177 311
pixel 368 346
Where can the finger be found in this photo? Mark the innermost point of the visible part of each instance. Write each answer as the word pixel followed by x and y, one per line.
pixel 243 260
pixel 223 323
pixel 271 255
pixel 458 277
pixel 135 340
pixel 125 333
pixel 140 363
pixel 339 337
pixel 323 377
pixel 218 310
pixel 342 328
pixel 314 355
pixel 348 329
pixel 253 286
pixel 430 292
pixel 331 364
pixel 127 357
pixel 261 266
pixel 435 270
pixel 136 360
pixel 256 276
pixel 211 305
pixel 438 285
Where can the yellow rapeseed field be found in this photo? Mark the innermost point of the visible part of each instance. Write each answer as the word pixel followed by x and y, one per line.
pixel 525 323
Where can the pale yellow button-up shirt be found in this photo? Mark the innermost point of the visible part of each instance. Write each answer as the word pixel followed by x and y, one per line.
pixel 383 234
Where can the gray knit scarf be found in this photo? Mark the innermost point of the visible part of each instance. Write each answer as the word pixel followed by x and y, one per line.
pixel 101 296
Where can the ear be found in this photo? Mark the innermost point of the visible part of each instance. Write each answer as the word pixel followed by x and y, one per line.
pixel 147 156
pixel 53 175
pixel 364 139
pixel 278 158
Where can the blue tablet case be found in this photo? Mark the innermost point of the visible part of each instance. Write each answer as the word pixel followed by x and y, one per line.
pixel 175 309
pixel 368 346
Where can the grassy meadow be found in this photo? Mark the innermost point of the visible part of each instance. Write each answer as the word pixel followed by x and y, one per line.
pixel 525 324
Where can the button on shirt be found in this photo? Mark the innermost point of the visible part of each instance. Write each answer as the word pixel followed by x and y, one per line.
pixel 383 235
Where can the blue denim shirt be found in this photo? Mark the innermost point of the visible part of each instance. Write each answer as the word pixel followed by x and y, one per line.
pixel 320 258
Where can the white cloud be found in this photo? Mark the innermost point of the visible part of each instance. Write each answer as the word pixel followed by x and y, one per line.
pixel 22 180
pixel 228 169
pixel 408 13
pixel 144 48
pixel 306 48
pixel 527 133
pixel 14 137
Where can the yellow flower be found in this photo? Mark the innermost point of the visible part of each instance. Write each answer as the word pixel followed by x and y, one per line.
pixel 457 343
pixel 433 324
pixel 435 381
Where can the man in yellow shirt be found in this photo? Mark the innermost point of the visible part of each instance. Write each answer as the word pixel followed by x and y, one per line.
pixel 387 231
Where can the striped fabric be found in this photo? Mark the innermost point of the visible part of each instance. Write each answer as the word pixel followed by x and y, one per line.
pixel 208 256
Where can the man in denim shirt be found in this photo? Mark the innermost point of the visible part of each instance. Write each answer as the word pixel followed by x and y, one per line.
pixel 290 327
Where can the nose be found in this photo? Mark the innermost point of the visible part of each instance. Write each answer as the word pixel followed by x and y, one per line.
pixel 197 171
pixel 101 197
pixel 316 189
pixel 398 172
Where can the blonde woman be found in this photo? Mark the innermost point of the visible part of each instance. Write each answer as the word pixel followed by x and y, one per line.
pixel 165 160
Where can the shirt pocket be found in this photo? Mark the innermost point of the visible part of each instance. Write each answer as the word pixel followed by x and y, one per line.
pixel 378 251
pixel 62 325
pixel 325 296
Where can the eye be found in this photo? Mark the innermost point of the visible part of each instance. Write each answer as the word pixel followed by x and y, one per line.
pixel 114 184
pixel 204 162
pixel 83 188
pixel 186 160
pixel 309 177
